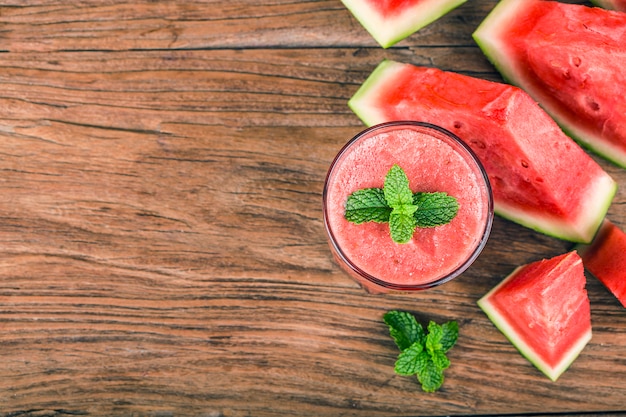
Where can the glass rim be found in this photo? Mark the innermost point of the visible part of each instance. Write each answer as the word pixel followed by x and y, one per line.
pixel 471 257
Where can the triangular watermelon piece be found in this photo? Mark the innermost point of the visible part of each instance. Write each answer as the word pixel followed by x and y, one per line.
pixel 605 258
pixel 543 309
pixel 527 157
pixel 571 59
pixel 390 21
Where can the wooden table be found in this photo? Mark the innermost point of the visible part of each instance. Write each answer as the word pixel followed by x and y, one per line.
pixel 162 250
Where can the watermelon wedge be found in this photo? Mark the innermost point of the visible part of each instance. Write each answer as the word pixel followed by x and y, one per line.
pixel 543 309
pixel 571 59
pixel 605 258
pixel 540 177
pixel 390 21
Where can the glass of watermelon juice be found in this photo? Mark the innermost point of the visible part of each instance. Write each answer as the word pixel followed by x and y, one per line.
pixel 434 160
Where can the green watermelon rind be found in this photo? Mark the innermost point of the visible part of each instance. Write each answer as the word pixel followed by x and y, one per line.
pixel 389 31
pixel 598 203
pixel 606 4
pixel 501 324
pixel 358 103
pixel 493 45
pixel 604 192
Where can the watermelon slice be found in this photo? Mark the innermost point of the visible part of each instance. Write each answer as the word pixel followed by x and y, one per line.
pixel 543 309
pixel 571 59
pixel 528 159
pixel 605 258
pixel 390 21
pixel 612 4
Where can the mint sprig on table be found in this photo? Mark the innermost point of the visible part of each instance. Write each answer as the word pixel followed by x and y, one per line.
pixel 422 353
pixel 397 205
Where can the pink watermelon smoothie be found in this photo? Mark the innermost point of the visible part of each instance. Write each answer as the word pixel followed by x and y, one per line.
pixel 434 160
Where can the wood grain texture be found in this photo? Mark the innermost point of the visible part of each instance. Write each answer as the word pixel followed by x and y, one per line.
pixel 162 250
pixel 198 24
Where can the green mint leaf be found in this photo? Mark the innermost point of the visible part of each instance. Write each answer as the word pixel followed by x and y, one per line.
pixel 434 345
pixel 407 360
pixel 428 373
pixel 402 223
pixel 433 339
pixel 367 205
pixel 440 359
pixel 396 188
pixel 404 329
pixel 399 196
pixel 450 335
pixel 434 209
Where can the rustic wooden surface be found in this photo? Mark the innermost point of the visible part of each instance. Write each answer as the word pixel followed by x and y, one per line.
pixel 161 242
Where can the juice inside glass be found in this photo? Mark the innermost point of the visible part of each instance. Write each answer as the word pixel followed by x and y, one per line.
pixel 434 160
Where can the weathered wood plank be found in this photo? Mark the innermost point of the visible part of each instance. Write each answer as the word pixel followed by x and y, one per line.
pixel 145 24
pixel 140 90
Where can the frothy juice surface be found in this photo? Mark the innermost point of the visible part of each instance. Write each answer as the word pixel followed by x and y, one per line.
pixel 433 162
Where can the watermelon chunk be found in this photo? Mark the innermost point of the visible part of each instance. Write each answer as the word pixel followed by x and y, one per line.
pixel 612 4
pixel 527 157
pixel 390 21
pixel 571 59
pixel 605 259
pixel 543 309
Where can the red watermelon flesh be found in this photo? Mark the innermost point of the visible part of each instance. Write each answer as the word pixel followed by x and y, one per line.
pixel 390 21
pixel 605 258
pixel 619 5
pixel 543 309
pixel 539 176
pixel 388 8
pixel 571 59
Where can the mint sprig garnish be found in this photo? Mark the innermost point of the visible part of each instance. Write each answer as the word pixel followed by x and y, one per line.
pixel 397 205
pixel 422 353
